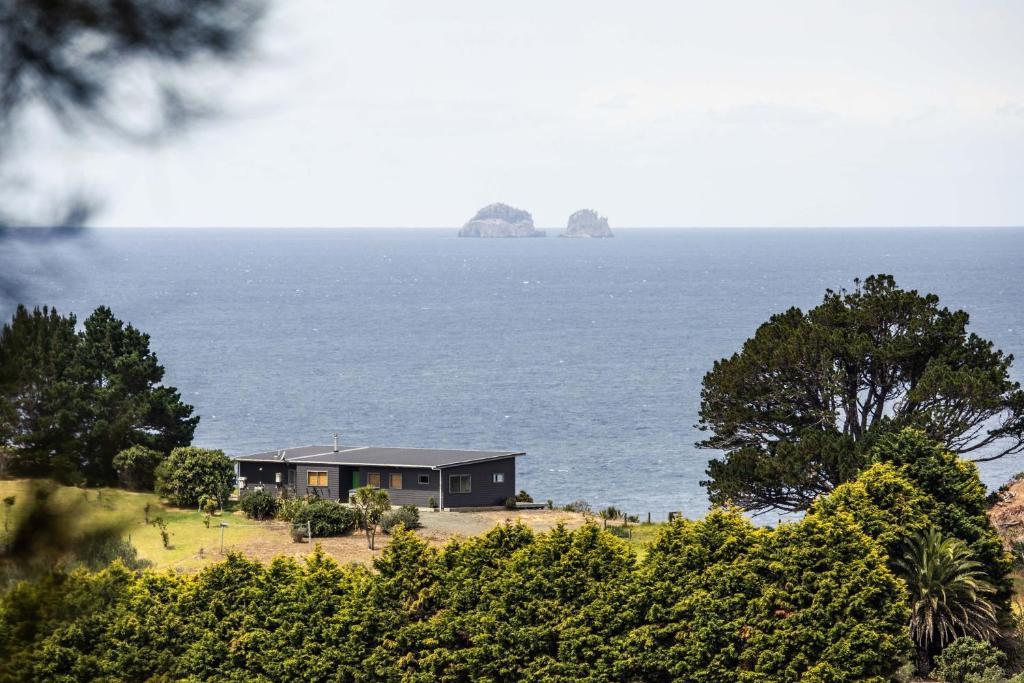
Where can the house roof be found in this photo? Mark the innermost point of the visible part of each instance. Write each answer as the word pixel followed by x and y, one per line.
pixel 379 456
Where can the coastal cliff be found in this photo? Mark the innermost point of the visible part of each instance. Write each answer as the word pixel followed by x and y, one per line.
pixel 587 223
pixel 500 220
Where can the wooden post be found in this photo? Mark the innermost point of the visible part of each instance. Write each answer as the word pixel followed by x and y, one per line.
pixel 309 530
pixel 648 517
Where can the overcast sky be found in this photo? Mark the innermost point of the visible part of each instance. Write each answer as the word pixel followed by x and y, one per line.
pixel 675 113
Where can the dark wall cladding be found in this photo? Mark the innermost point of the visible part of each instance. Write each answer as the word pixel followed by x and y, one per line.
pixel 333 488
pixel 484 491
pixel 263 473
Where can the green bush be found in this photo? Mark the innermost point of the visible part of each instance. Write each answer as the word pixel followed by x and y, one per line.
pixel 190 473
pixel 326 517
pixel 511 503
pixel 258 505
pixel 136 467
pixel 523 497
pixel 290 508
pixel 100 549
pixel 577 506
pixel 208 505
pixel 407 515
pixel 968 660
pixel 298 532
pixel 716 600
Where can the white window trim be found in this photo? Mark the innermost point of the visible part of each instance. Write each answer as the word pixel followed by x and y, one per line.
pixel 498 478
pixel 423 479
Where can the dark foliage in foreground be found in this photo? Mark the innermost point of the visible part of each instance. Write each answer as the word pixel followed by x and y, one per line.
pixel 713 600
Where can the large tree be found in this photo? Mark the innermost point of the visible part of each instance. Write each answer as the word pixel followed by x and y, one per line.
pixel 71 400
pixel 796 409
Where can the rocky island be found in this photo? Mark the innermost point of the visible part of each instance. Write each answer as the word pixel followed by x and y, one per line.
pixel 587 223
pixel 500 220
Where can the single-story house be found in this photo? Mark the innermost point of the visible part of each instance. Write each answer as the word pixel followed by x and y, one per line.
pixel 452 478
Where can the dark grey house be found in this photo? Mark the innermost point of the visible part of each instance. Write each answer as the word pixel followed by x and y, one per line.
pixel 453 478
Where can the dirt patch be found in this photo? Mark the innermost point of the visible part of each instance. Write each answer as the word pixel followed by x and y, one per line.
pixel 438 528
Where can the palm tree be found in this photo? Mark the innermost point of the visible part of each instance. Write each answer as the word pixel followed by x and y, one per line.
pixel 948 593
pixel 371 503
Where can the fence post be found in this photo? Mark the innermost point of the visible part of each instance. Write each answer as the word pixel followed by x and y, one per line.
pixel 309 530
pixel 648 517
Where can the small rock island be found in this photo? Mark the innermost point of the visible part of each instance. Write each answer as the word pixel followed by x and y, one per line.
pixel 587 223
pixel 500 220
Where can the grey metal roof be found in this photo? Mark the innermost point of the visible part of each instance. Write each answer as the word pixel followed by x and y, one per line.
pixel 379 456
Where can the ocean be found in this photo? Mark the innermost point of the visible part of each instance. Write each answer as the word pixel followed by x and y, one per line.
pixel 586 354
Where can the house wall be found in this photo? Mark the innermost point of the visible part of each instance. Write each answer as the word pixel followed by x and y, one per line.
pixel 339 481
pixel 334 485
pixel 263 473
pixel 484 491
pixel 412 492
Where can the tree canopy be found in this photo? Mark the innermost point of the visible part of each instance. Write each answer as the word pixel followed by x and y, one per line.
pixel 799 406
pixel 714 600
pixel 189 474
pixel 71 400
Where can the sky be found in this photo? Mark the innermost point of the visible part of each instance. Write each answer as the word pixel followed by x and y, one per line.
pixel 407 114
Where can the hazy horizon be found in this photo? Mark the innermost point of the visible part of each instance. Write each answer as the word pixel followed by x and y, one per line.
pixel 736 114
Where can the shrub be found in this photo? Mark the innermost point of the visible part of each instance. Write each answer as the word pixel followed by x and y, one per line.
pixel 290 508
pixel 208 504
pixel 432 502
pixel 100 549
pixel 136 467
pixel 190 473
pixel 523 497
pixel 298 532
pixel 258 505
pixel 510 503
pixel 577 506
pixel 165 535
pixel 968 660
pixel 407 515
pixel 326 517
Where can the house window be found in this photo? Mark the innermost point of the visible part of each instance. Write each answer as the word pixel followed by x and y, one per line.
pixel 423 479
pixel 373 479
pixel 396 481
pixel 498 478
pixel 316 478
pixel 459 483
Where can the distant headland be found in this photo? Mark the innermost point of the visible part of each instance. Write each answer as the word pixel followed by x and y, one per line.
pixel 500 220
pixel 587 223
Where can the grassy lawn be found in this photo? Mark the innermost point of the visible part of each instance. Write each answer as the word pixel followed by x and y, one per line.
pixel 192 544
pixel 641 535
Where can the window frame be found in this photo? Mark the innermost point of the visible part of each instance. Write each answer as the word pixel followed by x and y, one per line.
pixel 468 479
pixel 370 476
pixel 423 479
pixel 391 481
pixel 497 477
pixel 326 479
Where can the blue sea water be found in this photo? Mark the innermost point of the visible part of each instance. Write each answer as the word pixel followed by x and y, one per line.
pixel 586 354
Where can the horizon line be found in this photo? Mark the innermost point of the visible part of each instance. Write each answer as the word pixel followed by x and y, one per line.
pixel 624 227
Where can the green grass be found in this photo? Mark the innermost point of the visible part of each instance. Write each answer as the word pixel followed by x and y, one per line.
pixel 126 509
pixel 641 535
